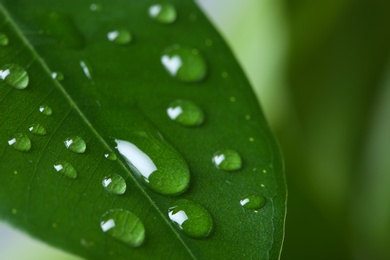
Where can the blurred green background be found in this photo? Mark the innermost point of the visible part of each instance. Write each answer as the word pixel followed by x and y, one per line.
pixel 321 71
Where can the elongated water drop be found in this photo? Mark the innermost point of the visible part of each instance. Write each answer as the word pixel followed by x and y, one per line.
pixel 227 160
pixel 75 144
pixel 20 142
pixel 185 113
pixel 57 75
pixel 115 184
pixel 37 129
pixel 163 13
pixel 184 64
pixel 86 67
pixel 253 202
pixel 124 226
pixel 14 75
pixel 192 218
pixel 3 39
pixel 46 110
pixel 110 156
pixel 120 36
pixel 66 169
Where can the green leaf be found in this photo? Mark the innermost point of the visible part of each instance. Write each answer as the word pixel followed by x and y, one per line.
pixel 116 93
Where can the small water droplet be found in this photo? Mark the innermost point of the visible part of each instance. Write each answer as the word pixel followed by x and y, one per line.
pixel 251 139
pixel 75 144
pixel 120 36
pixel 192 218
pixel 57 75
pixel 253 202
pixel 3 39
pixel 66 169
pixel 14 75
pixel 186 113
pixel 54 225
pixel 46 110
pixel 110 156
pixel 124 226
pixel 264 171
pixel 248 117
pixel 37 129
pixel 86 243
pixel 163 13
pixel 184 64
pixel 15 172
pixel 20 142
pixel 227 160
pixel 115 184
pixel 86 67
pixel 232 99
pixel 14 211
pixel 95 7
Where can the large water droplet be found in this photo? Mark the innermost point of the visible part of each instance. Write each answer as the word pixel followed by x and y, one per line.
pixel 184 64
pixel 57 75
pixel 66 169
pixel 120 36
pixel 37 129
pixel 14 75
pixel 110 156
pixel 20 142
pixel 163 13
pixel 253 202
pixel 192 218
pixel 159 165
pixel 115 184
pixel 186 113
pixel 46 110
pixel 75 144
pixel 227 160
pixel 3 39
pixel 123 226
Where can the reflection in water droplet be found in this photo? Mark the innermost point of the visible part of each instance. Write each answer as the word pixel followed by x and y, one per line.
pixel 162 169
pixel 14 75
pixel 110 156
pixel 86 69
pixel 37 129
pixel 120 36
pixel 75 144
pixel 253 202
pixel 227 160
pixel 193 219
pixel 186 113
pixel 115 184
pixel 46 110
pixel 20 142
pixel 184 64
pixel 3 39
pixel 66 169
pixel 163 13
pixel 57 75
pixel 124 226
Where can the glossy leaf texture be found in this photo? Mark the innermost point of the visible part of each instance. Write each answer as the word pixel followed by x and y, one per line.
pixel 108 111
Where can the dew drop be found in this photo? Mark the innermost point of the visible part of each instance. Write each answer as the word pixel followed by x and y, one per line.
pixel 46 110
pixel 192 218
pixel 110 156
pixel 3 39
pixel 163 13
pixel 124 226
pixel 57 75
pixel 227 160
pixel 161 168
pixel 20 142
pixel 114 184
pixel 75 144
pixel 86 67
pixel 66 169
pixel 14 75
pixel 253 202
pixel 184 64
pixel 37 129
pixel 185 113
pixel 120 36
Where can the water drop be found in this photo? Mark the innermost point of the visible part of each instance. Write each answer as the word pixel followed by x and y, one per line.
pixel 253 202
pixel 115 184
pixel 20 142
pixel 110 156
pixel 57 75
pixel 232 99
pixel 161 168
pixel 227 160
pixel 95 7
pixel 86 67
pixel 14 211
pixel 120 36
pixel 192 218
pixel 163 13
pixel 3 39
pixel 46 110
pixel 251 139
pixel 186 113
pixel 14 75
pixel 75 144
pixel 66 169
pixel 184 64
pixel 37 129
pixel 124 226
